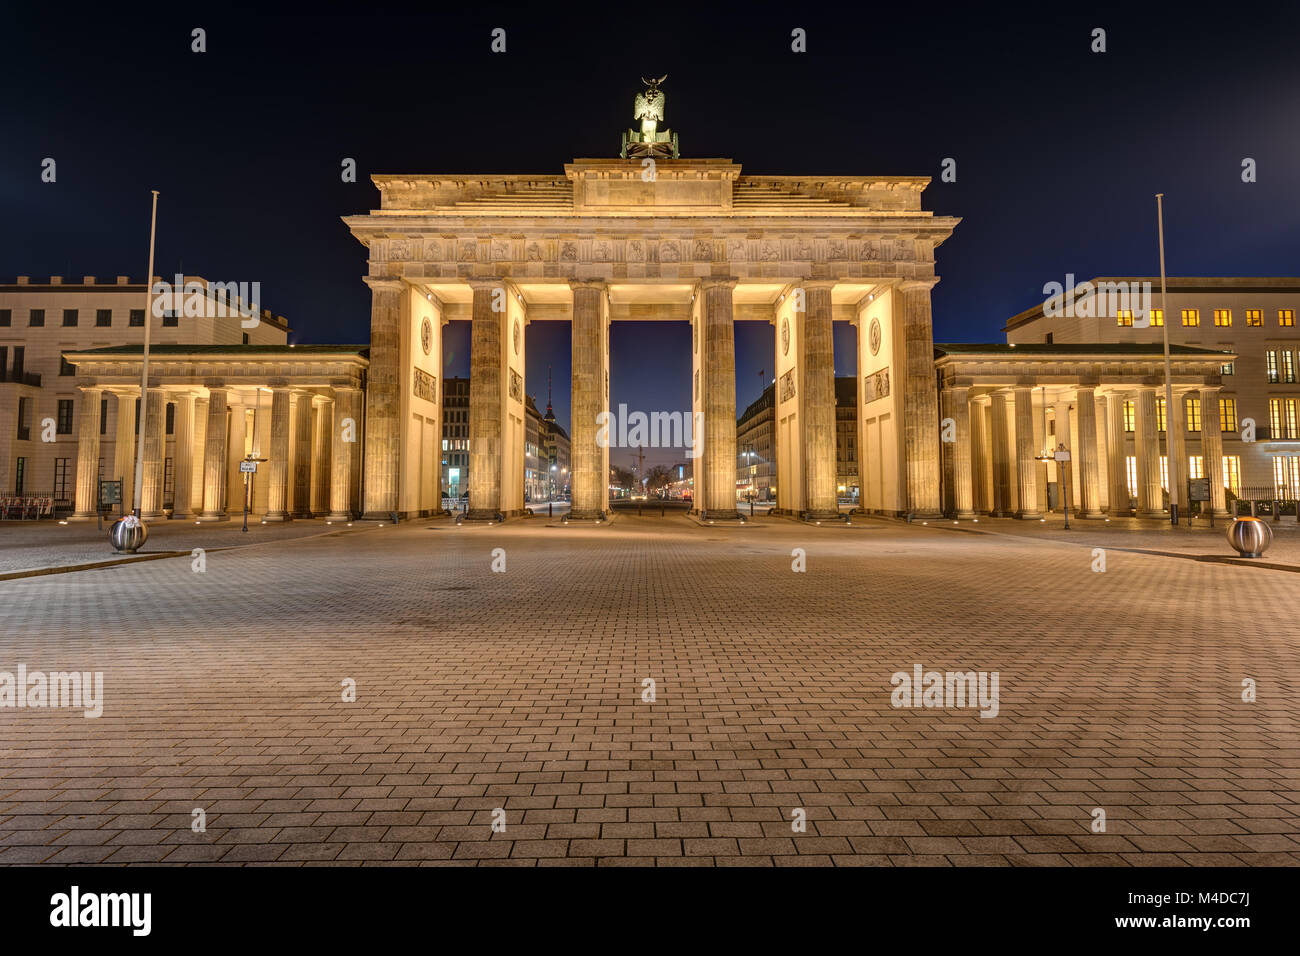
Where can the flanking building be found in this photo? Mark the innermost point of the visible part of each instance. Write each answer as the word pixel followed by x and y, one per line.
pixel 46 404
pixel 1254 319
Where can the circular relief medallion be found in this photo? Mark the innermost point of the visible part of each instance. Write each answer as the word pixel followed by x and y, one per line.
pixel 426 336
pixel 516 336
pixel 785 336
pixel 873 336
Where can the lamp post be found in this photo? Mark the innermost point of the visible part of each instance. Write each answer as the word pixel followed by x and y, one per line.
pixel 1175 472
pixel 129 532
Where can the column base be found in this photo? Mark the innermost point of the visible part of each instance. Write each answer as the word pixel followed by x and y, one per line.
pixel 720 514
pixel 81 516
pixel 1093 515
pixel 152 515
pixel 337 516
pixel 965 515
pixel 1029 515
pixel 214 516
pixel 1153 514
pixel 484 514
pixel 821 516
pixel 585 515
pixel 277 516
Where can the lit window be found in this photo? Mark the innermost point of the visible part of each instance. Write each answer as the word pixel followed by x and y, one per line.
pixel 1191 317
pixel 1275 416
pixel 1124 317
pixel 1196 467
pixel 1228 368
pixel 1227 414
pixel 1285 317
pixel 1223 318
pixel 1282 417
pixel 1232 474
pixel 1270 365
pixel 1288 367
pixel 1164 472
pixel 1160 414
pixel 1129 415
pixel 1192 412
pixel 1131 467
pixel 1286 477
pixel 1157 317
pixel 1255 317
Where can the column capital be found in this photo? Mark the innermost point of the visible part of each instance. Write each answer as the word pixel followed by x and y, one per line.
pixel 1209 388
pixel 383 283
pixel 718 282
pixel 485 282
pixel 816 284
pixel 599 284
pixel 87 389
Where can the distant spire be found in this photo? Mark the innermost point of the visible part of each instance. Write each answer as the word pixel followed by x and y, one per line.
pixel 550 414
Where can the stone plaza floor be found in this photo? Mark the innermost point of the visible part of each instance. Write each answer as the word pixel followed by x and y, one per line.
pixel 522 691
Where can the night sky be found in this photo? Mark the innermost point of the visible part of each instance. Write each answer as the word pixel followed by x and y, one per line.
pixel 1059 150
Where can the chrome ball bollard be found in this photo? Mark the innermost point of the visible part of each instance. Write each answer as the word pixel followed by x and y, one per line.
pixel 128 534
pixel 1250 536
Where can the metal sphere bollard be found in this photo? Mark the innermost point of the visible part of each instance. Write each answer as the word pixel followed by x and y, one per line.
pixel 128 534
pixel 1250 536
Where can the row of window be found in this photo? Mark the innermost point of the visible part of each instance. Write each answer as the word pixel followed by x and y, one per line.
pixel 1195 469
pixel 1280 365
pixel 72 318
pixel 1222 318
pixel 1191 414
pixel 63 417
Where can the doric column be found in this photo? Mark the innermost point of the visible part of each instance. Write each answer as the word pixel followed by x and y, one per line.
pixel 1085 455
pixel 719 386
pixel 277 465
pixel 88 454
pixel 214 457
pixel 587 483
pixel 1147 449
pixel 486 425
pixel 383 399
pixel 302 416
pixel 124 447
pixel 956 405
pixel 920 399
pixel 322 448
pixel 1176 450
pixel 1102 418
pixel 198 452
pixel 151 489
pixel 344 440
pixel 183 452
pixel 981 498
pixel 1212 448
pixel 818 381
pixel 1026 454
pixel 1117 457
pixel 1003 465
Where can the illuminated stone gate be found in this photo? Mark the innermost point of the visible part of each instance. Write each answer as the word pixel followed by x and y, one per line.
pixel 642 239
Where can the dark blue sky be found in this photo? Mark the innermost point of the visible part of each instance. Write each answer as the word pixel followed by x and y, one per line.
pixel 1059 150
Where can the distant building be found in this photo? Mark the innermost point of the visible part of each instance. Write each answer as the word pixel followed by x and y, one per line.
pixel 756 449
pixel 555 451
pixel 537 480
pixel 455 436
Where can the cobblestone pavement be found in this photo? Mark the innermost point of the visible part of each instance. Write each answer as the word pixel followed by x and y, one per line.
pixel 1119 691
pixel 32 545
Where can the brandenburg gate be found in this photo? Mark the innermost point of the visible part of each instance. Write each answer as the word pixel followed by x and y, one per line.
pixel 652 236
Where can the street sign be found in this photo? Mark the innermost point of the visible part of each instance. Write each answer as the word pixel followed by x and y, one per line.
pixel 110 492
pixel 247 466
pixel 1062 456
pixel 1199 488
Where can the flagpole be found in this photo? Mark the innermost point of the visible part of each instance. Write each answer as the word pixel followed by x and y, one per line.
pixel 144 365
pixel 1174 470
